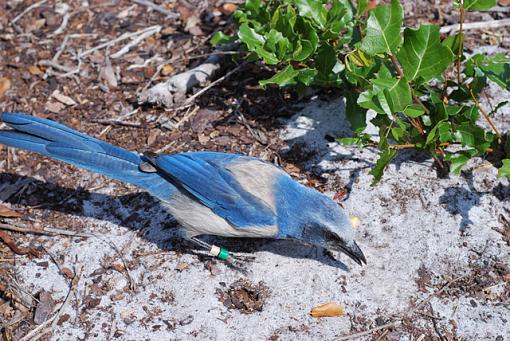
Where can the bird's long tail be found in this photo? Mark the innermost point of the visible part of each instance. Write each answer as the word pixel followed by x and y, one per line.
pixel 57 141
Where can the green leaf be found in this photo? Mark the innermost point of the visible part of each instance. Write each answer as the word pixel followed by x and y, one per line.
pixel 361 7
pixel 303 49
pixel 359 58
pixel 326 59
pixel 414 110
pixel 348 140
pixel 422 54
pixel 505 169
pixel 253 5
pixel 221 38
pixel 397 133
pixel 452 42
pixel 473 136
pixel 396 92
pixel 313 10
pixel 251 38
pixel 268 57
pixel 464 135
pixel 283 20
pixel 433 133
pixel 444 130
pixel 306 76
pixel 478 5
pixel 283 78
pixel 277 43
pixel 458 162
pixel 383 29
pixel 383 161
pixel 356 115
pixel 497 68
pixel 307 32
pixel 398 95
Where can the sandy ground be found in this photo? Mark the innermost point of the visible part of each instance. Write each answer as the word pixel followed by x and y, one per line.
pixel 419 233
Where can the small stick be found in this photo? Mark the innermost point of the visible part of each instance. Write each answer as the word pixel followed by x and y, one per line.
pixel 118 39
pixel 113 122
pixel 461 43
pixel 476 25
pixel 28 9
pixel 55 65
pixel 62 26
pixel 221 79
pixel 48 231
pixel 218 53
pixel 157 8
pixel 135 42
pixel 487 118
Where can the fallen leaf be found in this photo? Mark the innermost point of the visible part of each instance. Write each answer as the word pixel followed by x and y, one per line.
pixel 203 139
pixel 108 74
pixel 184 12
pixel 19 250
pixel 5 84
pixel 167 31
pixel 193 26
pixel 149 71
pixel 330 309
pixel 35 25
pixel 63 98
pixel 153 135
pixel 118 268
pixel 167 69
pixel 213 269
pixel 228 8
pixel 182 266
pixel 6 311
pixel 44 307
pixel 54 107
pixel 291 168
pixel 6 212
pixel 68 273
pixel 35 70
pixel 204 118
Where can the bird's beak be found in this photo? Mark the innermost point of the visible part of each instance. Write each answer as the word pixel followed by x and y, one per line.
pixel 350 249
pixel 354 252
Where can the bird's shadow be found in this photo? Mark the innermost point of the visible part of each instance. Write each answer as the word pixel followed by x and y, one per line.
pixel 141 213
pixel 460 200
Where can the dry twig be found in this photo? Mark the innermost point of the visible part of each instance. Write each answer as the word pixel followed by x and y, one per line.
pixel 48 231
pixel 157 8
pixel 28 9
pixel 219 80
pixel 476 25
pixel 119 39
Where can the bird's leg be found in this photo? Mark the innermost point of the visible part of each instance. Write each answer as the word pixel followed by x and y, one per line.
pixel 214 250
pixel 220 252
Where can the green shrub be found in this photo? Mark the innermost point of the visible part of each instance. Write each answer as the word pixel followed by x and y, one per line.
pixel 376 64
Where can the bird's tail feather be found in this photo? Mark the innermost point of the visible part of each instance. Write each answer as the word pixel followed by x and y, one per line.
pixel 57 141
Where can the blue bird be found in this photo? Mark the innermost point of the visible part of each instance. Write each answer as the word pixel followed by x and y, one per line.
pixel 208 193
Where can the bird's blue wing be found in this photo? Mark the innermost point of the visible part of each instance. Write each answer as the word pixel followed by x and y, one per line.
pixel 204 177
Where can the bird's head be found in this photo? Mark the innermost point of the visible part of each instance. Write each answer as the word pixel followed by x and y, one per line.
pixel 328 226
